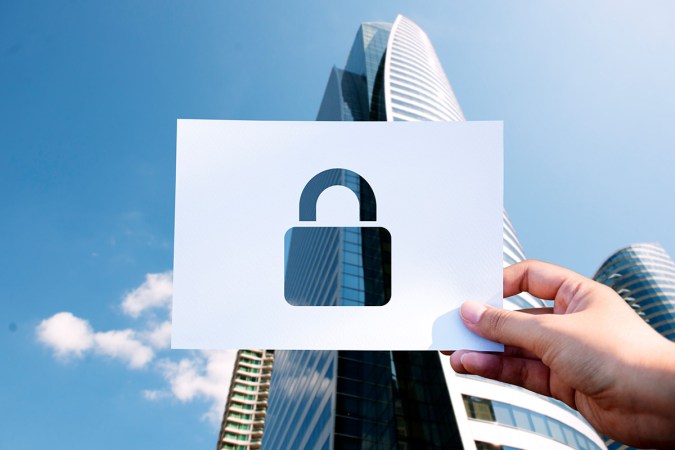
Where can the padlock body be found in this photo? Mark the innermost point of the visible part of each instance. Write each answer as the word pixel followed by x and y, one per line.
pixel 337 266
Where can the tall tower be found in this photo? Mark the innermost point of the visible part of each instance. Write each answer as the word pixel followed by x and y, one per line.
pixel 385 400
pixel 415 85
pixel 644 275
pixel 244 417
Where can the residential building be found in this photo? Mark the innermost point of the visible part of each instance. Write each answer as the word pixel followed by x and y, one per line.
pixel 244 417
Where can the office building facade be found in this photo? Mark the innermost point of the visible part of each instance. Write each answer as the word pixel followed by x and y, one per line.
pixel 385 400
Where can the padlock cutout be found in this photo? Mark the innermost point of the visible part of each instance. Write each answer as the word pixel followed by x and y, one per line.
pixel 337 266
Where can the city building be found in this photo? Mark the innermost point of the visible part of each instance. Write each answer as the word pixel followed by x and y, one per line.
pixel 244 417
pixel 347 399
pixel 644 275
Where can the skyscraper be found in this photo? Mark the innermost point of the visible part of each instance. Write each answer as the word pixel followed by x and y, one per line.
pixel 386 400
pixel 348 399
pixel 644 275
pixel 244 417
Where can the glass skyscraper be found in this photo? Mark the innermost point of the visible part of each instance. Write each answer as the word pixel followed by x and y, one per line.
pixel 392 400
pixel 350 399
pixel 644 275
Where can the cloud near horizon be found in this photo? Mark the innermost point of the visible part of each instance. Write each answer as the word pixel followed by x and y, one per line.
pixel 190 375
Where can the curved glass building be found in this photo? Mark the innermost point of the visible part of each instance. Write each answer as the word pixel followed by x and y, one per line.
pixel 644 275
pixel 415 86
pixel 329 400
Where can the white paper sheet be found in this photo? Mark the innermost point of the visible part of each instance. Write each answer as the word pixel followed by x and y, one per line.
pixel 439 190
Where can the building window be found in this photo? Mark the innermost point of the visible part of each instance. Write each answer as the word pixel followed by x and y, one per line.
pixel 514 416
pixel 479 408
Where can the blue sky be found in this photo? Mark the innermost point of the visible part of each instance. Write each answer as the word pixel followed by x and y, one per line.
pixel 89 97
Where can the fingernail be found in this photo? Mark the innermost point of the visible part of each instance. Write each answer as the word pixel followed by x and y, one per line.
pixel 472 311
pixel 467 358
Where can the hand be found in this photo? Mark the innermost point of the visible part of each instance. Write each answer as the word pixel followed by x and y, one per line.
pixel 590 351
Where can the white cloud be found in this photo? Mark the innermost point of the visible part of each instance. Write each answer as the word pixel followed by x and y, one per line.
pixel 66 334
pixel 122 344
pixel 160 336
pixel 205 375
pixel 155 292
pixel 192 376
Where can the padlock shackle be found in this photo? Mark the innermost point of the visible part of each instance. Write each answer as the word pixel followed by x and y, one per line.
pixel 338 177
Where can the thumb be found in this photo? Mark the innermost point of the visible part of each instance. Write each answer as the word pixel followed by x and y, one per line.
pixel 514 328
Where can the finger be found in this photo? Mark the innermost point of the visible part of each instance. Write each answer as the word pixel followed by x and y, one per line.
pixel 513 328
pixel 508 351
pixel 527 373
pixel 540 279
pixel 456 361
pixel 515 351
